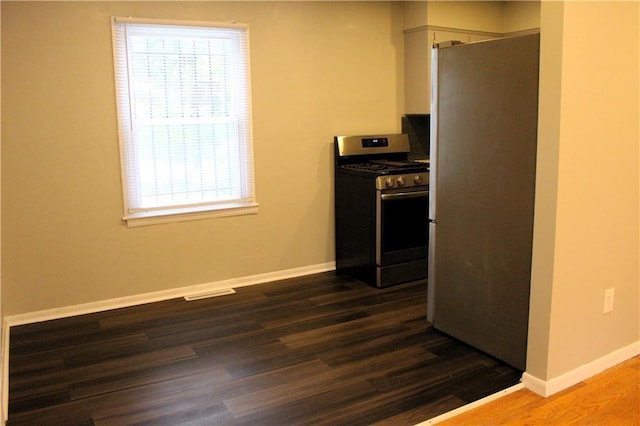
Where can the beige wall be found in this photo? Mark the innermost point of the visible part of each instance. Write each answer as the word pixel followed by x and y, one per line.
pixel 414 14
pixel 489 16
pixel 2 336
pixel 586 230
pixel 318 69
pixel 466 15
pixel 520 15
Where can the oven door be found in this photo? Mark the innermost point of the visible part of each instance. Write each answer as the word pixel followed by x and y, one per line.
pixel 402 225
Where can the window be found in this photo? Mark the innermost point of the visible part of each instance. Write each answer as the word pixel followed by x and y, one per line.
pixel 184 119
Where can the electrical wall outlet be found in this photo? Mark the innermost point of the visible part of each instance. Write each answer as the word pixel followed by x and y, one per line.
pixel 608 300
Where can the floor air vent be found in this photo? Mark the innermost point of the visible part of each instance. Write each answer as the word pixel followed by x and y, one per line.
pixel 206 295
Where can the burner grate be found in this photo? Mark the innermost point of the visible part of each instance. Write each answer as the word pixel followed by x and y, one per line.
pixel 387 166
pixel 366 166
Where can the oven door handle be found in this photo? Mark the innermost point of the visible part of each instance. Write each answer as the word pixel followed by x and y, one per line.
pixel 405 195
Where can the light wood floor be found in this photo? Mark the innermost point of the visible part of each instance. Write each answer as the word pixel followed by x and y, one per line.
pixel 611 398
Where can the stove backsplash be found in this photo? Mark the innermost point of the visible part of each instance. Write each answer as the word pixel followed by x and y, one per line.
pixel 417 127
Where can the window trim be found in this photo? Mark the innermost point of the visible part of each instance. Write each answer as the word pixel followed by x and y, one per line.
pixel 156 218
pixel 237 207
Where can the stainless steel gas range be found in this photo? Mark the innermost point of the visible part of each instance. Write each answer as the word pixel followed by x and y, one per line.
pixel 381 210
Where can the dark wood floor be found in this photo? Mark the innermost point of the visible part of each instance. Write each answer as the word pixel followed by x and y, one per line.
pixel 313 350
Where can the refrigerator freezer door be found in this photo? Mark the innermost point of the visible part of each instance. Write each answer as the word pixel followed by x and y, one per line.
pixel 484 132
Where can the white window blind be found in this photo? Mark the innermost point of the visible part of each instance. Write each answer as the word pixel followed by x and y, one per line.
pixel 184 117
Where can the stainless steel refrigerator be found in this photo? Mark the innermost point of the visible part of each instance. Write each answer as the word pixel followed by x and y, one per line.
pixel 484 113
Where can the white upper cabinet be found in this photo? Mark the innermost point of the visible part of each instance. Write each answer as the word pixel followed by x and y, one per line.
pixel 416 71
pixel 425 23
pixel 417 63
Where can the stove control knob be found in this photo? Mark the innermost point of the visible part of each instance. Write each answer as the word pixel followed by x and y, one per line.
pixel 389 182
pixel 400 180
pixel 417 179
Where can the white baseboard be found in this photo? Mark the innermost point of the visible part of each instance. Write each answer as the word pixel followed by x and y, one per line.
pixel 577 375
pixel 468 407
pixel 546 389
pixel 539 386
pixel 122 302
pixel 5 372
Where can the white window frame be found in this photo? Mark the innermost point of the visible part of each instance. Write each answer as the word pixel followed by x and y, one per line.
pixel 141 209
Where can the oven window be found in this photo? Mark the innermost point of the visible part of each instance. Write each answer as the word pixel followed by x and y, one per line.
pixel 404 223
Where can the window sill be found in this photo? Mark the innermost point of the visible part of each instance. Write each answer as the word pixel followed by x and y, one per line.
pixel 160 217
